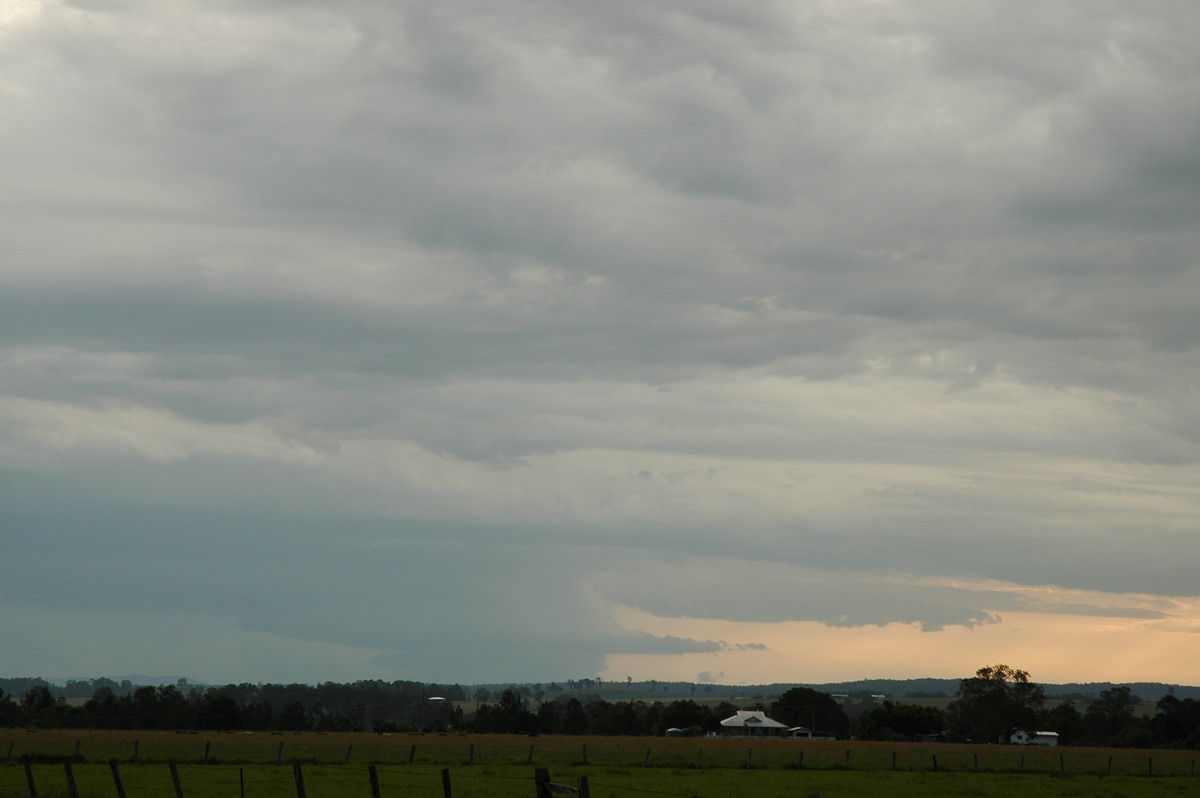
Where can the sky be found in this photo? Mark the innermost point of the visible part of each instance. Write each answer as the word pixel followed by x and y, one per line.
pixel 741 343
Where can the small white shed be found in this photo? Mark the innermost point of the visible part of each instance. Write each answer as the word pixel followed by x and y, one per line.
pixel 1023 737
pixel 803 733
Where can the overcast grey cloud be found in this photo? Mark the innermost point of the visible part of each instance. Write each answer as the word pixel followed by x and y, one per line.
pixel 416 340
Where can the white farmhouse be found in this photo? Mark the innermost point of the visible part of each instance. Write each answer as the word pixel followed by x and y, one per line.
pixel 752 723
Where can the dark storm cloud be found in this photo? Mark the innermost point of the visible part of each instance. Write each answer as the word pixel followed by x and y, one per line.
pixel 761 591
pixel 308 309
pixel 435 596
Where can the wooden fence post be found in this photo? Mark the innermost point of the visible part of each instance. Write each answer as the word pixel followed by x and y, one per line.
pixel 749 758
pixel 446 783
pixel 847 759
pixel 529 759
pixel 800 764
pixel 29 776
pixel 585 759
pixel 135 751
pixel 471 755
pixel 975 760
pixel 893 760
pixel 8 756
pixel 584 790
pixel 1062 764
pixel 411 753
pixel 72 788
pixel 935 767
pixel 298 773
pixel 116 774
pixel 1109 769
pixel 242 782
pixel 279 754
pixel 541 783
pixel 646 759
pixel 699 756
pixel 1150 765
pixel 207 748
pixel 78 758
pixel 349 751
pixel 175 780
pixel 373 775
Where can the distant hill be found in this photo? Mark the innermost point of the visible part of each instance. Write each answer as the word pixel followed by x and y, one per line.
pixel 650 690
pixel 892 688
pixel 1147 691
pixel 904 688
pixel 86 687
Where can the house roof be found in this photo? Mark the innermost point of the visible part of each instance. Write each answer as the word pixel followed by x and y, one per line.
pixel 752 718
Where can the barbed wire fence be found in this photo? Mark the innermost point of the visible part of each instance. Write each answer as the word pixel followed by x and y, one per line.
pixel 68 775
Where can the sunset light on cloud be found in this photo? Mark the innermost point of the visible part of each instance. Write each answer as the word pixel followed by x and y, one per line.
pixel 1056 647
pixel 779 342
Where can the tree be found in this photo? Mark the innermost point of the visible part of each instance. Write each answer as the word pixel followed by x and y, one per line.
pixel 218 712
pixel 294 717
pixel 682 714
pixel 1110 715
pixel 802 706
pixel 892 721
pixel 992 703
pixel 574 719
pixel 509 716
pixel 1177 723
pixel 1064 719
pixel 41 708
pixel 10 711
pixel 36 701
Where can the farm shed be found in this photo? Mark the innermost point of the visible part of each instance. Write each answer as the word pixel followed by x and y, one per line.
pixel 803 733
pixel 1023 737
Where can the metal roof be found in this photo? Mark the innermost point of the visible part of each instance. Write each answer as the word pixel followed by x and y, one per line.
pixel 753 718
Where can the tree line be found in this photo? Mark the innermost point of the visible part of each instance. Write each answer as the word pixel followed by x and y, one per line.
pixel 358 706
pixel 987 708
pixel 513 713
pixel 390 707
pixel 998 700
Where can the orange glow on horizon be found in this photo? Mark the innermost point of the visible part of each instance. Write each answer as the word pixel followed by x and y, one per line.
pixel 1053 648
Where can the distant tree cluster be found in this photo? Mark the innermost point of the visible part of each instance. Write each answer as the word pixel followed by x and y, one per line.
pixel 998 699
pixel 512 713
pixel 900 722
pixel 994 702
pixel 803 706
pixel 359 706
pixel 574 715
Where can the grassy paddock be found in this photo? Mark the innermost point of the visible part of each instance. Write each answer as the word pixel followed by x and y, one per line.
pixel 557 751
pixel 511 781
pixel 502 765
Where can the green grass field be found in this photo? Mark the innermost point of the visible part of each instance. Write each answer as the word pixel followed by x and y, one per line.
pixel 335 765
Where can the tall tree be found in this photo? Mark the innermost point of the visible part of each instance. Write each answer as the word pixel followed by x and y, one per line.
pixel 1109 715
pixel 803 706
pixel 1066 720
pixel 510 716
pixel 994 702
